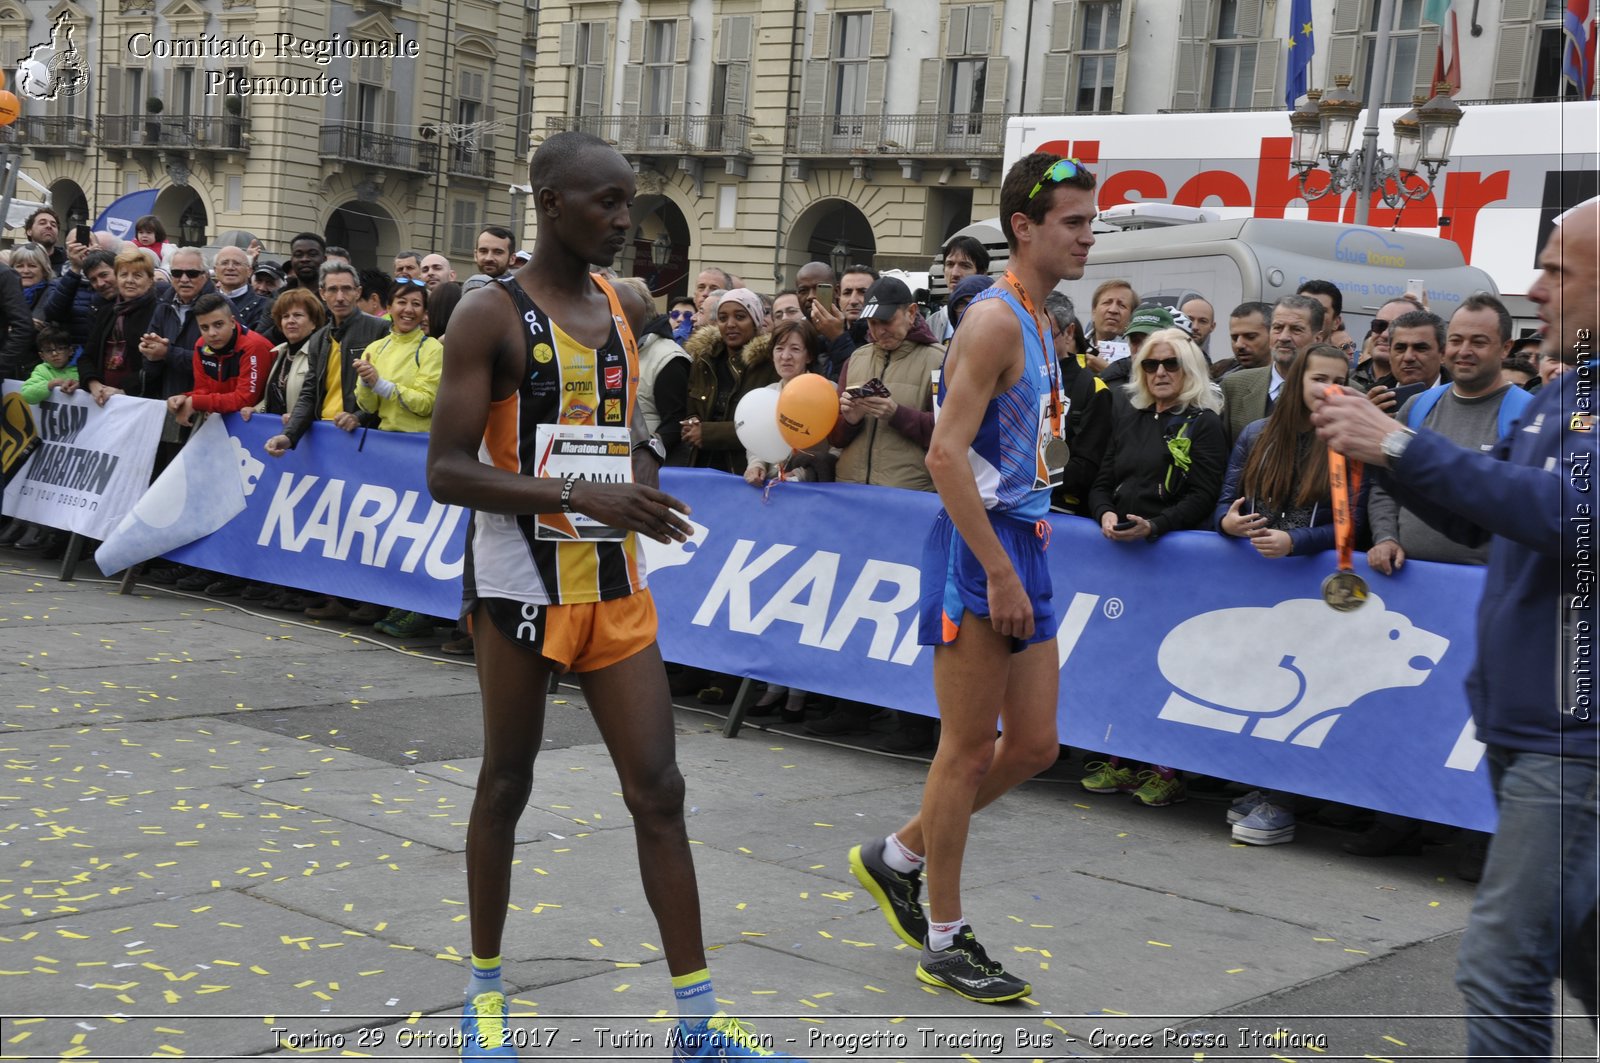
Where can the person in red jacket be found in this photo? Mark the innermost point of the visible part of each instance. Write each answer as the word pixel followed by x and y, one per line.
pixel 231 363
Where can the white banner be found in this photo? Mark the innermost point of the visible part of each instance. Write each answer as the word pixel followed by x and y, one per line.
pixel 92 463
pixel 194 496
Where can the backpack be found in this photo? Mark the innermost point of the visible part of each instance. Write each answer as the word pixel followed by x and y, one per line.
pixel 1511 406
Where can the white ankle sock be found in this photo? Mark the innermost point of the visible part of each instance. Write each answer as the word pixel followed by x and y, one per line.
pixel 940 935
pixel 898 857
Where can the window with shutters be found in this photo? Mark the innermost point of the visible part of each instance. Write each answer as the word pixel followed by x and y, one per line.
pixel 1096 60
pixel 1406 47
pixel 1549 41
pixel 589 68
pixel 525 114
pixel 463 227
pixel 182 96
pixel 469 111
pixel 968 94
pixel 730 82
pixel 852 36
pixel 1233 60
pixel 660 50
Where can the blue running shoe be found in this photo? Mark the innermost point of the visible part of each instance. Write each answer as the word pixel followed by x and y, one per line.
pixel 721 1037
pixel 483 1028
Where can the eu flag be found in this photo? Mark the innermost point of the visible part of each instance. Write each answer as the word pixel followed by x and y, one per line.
pixel 1302 44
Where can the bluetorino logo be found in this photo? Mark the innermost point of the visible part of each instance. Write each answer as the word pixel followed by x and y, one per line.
pixel 1289 670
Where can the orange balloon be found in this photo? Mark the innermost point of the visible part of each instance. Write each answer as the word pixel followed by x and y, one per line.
pixel 808 406
pixel 10 108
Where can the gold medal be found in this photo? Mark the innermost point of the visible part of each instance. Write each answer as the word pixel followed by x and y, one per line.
pixel 1344 591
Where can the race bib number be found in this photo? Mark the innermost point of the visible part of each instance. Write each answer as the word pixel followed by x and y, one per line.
pixel 583 452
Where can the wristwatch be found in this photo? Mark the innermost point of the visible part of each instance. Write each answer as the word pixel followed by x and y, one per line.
pixel 654 446
pixel 1396 442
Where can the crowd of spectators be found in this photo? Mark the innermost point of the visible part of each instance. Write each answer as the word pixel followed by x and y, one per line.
pixel 1164 436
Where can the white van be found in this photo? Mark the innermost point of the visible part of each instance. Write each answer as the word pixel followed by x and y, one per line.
pixel 1251 259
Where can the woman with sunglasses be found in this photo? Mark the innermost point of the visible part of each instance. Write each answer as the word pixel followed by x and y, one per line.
pixel 1162 471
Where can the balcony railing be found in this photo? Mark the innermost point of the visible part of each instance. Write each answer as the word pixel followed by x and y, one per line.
pixel 472 162
pixel 50 132
pixel 348 142
pixel 898 135
pixel 664 134
pixel 180 131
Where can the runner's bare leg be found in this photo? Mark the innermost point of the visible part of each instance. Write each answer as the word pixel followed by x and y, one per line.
pixel 633 708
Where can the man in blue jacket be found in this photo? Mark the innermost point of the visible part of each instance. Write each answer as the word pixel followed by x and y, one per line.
pixel 1534 498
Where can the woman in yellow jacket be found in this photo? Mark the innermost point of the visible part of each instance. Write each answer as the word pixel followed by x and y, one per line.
pixel 398 379
pixel 399 374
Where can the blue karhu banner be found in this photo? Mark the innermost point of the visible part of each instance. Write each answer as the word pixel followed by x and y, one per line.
pixel 345 513
pixel 1193 652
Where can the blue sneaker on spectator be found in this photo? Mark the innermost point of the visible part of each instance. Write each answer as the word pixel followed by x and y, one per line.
pixel 1243 806
pixel 1267 824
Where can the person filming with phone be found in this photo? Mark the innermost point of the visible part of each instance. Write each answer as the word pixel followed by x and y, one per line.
pixel 885 423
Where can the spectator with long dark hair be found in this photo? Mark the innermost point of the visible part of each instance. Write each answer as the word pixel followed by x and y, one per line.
pixel 1276 492
pixel 442 300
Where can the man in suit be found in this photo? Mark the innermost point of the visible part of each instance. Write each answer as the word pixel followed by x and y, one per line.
pixel 1298 321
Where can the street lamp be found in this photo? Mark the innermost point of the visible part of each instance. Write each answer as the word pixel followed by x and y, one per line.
pixel 1323 133
pixel 839 258
pixel 660 250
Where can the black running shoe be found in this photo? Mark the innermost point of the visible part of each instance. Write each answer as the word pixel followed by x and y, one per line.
pixel 966 969
pixel 895 891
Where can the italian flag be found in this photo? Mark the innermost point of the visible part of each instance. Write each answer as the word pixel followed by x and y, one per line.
pixel 1447 64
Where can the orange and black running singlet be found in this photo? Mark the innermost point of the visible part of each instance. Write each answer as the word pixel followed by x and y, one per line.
pixel 569 384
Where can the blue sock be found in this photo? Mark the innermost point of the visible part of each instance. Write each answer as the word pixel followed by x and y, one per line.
pixel 696 1001
pixel 485 977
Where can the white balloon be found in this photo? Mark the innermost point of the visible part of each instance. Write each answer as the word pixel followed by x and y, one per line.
pixel 33 79
pixel 756 422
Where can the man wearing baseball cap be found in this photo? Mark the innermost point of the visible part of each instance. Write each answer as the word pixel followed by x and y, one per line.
pixel 267 278
pixel 1145 320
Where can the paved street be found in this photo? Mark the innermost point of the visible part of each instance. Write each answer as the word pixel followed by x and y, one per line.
pixel 225 834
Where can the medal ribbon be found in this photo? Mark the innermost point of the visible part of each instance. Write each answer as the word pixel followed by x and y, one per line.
pixel 1344 482
pixel 1048 351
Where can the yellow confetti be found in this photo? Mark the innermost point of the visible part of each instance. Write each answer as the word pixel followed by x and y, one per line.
pixel 1395 1040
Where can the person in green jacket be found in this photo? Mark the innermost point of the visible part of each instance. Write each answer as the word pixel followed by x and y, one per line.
pixel 54 372
pixel 398 379
pixel 398 375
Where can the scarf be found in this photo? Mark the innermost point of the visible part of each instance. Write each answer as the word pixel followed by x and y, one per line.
pixel 32 292
pixel 116 347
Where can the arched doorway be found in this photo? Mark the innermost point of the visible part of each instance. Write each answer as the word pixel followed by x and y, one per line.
pixel 367 230
pixel 184 214
pixel 832 231
pixel 68 198
pixel 662 244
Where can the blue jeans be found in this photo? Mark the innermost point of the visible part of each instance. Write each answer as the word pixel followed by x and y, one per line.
pixel 1534 914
